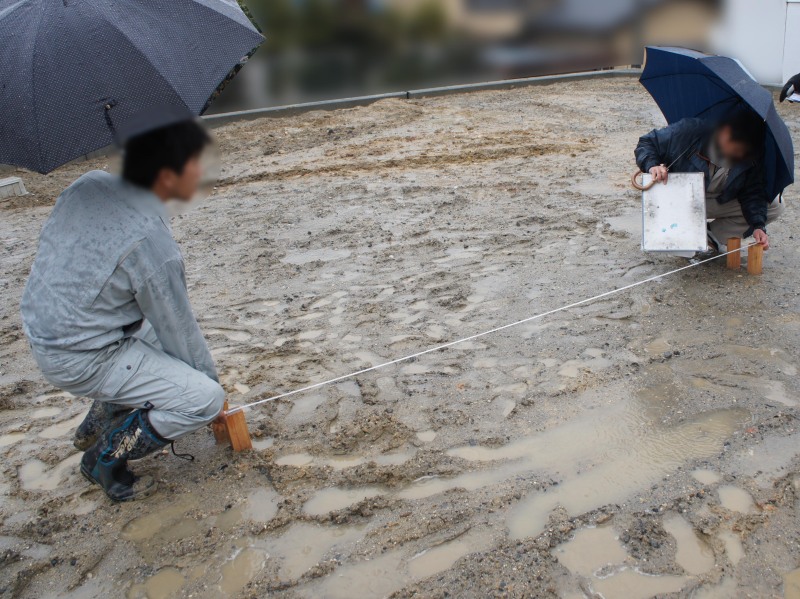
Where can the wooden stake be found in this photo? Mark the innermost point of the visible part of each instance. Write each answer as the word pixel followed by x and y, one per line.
pixel 220 427
pixel 232 428
pixel 238 433
pixel 734 259
pixel 755 259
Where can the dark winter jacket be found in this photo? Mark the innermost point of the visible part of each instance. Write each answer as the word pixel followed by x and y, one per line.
pixel 682 147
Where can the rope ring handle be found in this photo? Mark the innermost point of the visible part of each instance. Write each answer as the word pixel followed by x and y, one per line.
pixel 639 186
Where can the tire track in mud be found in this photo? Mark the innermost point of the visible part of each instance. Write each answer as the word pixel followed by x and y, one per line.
pixel 466 157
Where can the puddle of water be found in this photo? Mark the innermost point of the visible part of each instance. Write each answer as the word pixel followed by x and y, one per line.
pixel 303 545
pixel 766 460
pixel 573 368
pixel 791 585
pixel 262 444
pixel 148 526
pixel 343 462
pixel 298 460
pixel 334 499
pixel 378 577
pixel 11 438
pixel 630 584
pixel 639 464
pixel 693 555
pixel 303 408
pixel 733 545
pixel 657 346
pixel 295 459
pixel 706 477
pixel 240 570
pixel 163 585
pixel 735 499
pixel 776 391
pixel 35 476
pixel 261 505
pixel 62 428
pixel 46 412
pixel 392 459
pixel 426 436
pixel 442 557
pixel 591 549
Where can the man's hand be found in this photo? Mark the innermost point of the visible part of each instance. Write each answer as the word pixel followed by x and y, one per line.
pixel 659 173
pixel 762 238
pixel 792 86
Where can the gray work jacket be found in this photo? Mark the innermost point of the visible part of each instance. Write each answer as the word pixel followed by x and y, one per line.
pixel 107 261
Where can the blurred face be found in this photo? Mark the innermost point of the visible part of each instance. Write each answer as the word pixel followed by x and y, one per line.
pixel 180 186
pixel 732 150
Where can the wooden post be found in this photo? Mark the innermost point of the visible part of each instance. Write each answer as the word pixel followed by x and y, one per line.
pixel 232 428
pixel 755 259
pixel 238 433
pixel 220 427
pixel 734 259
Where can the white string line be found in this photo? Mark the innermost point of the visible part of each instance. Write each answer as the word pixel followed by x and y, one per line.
pixel 483 334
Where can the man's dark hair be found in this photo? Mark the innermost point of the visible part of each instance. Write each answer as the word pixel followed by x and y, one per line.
pixel 746 127
pixel 169 147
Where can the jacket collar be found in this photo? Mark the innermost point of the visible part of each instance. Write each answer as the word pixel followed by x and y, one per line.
pixel 145 201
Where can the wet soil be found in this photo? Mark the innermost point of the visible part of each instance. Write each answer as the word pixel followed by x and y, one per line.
pixel 643 445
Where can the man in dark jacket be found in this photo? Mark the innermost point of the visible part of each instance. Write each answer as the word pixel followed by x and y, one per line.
pixel 729 155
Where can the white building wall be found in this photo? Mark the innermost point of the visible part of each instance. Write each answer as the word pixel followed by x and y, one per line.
pixel 791 49
pixel 754 31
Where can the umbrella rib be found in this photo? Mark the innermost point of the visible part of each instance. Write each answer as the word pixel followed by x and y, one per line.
pixel 732 98
pixel 143 55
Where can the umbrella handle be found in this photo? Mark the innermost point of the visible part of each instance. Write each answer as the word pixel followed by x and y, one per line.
pixel 638 185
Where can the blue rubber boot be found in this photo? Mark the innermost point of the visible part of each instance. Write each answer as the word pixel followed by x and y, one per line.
pixel 106 462
pixel 102 416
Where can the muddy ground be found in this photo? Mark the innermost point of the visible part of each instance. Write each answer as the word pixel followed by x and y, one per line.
pixel 644 444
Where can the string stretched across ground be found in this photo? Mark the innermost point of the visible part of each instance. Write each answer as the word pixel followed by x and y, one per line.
pixel 482 334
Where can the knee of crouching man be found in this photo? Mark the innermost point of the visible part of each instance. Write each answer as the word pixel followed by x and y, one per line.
pixel 217 400
pixel 214 401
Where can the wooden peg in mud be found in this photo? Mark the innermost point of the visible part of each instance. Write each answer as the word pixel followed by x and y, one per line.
pixel 232 428
pixel 755 259
pixel 734 259
pixel 220 426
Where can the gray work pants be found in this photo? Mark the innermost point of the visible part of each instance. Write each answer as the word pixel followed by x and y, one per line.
pixel 135 372
pixel 730 222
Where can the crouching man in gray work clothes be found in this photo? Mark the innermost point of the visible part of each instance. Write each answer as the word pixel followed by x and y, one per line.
pixel 107 313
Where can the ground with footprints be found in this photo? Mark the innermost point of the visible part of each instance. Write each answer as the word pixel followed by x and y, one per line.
pixel 642 445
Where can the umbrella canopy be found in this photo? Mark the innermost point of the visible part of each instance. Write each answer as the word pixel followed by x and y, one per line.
pixel 74 72
pixel 686 83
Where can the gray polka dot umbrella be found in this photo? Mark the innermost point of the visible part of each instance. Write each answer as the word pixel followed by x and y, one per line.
pixel 74 73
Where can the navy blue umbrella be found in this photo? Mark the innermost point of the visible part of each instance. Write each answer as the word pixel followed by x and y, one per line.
pixel 686 83
pixel 75 73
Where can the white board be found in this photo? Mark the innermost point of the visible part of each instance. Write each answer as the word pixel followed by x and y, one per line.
pixel 674 215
